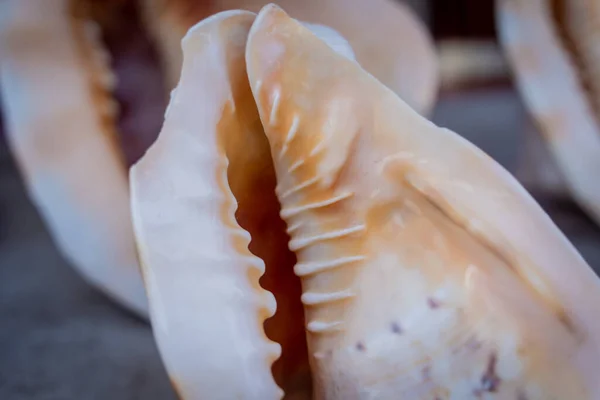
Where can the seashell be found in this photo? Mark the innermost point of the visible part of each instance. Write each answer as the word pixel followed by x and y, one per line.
pixel 426 270
pixel 381 32
pixel 212 275
pixel 55 85
pixel 552 46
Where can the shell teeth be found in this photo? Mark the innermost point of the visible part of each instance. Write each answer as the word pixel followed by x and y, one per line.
pixel 270 303
pixel 303 242
pixel 324 327
pixel 111 108
pixel 245 235
pixel 102 78
pixel 274 349
pixel 275 108
pixel 309 268
pixel 313 299
pixel 102 56
pixel 107 79
pixel 256 262
pixel 299 209
pixel 92 31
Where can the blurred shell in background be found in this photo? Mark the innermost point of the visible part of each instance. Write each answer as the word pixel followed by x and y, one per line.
pixel 388 38
pixel 60 117
pixel 553 48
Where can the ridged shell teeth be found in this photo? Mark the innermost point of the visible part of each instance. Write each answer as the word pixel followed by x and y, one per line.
pixel 111 108
pixel 98 56
pixel 107 79
pixel 271 306
pixel 92 31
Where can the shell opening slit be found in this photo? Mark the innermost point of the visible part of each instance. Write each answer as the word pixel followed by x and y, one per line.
pixel 251 179
pixel 210 236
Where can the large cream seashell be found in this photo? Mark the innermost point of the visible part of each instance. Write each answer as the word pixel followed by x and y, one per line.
pixel 389 41
pixel 454 240
pixel 426 270
pixel 54 81
pixel 554 49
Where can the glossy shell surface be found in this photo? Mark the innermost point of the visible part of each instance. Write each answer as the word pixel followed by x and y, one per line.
pixel 426 270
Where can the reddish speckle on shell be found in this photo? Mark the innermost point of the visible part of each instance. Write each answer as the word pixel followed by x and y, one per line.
pixel 490 380
pixel 433 303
